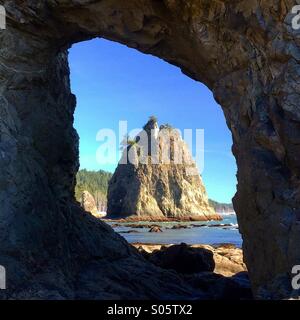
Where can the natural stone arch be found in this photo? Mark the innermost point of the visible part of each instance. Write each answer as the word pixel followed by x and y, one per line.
pixel 245 51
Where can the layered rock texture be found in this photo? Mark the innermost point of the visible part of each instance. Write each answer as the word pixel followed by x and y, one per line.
pixel 157 179
pixel 245 51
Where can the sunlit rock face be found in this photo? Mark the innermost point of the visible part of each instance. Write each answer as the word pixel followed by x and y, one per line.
pixel 161 183
pixel 245 51
pixel 88 203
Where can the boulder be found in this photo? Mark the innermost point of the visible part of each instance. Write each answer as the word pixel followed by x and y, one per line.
pixel 88 203
pixel 227 280
pixel 155 229
pixel 228 259
pixel 180 226
pixel 183 259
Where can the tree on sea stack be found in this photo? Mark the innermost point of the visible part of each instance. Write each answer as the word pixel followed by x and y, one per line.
pixel 151 188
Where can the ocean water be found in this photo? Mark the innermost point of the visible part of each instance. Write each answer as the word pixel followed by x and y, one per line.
pixel 194 235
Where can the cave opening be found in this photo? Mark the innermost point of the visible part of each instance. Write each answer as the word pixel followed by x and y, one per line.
pixel 116 84
pixel 244 52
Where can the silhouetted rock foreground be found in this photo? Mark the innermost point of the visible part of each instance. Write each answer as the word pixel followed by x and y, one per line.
pixel 169 189
pixel 245 51
pixel 218 272
pixel 89 262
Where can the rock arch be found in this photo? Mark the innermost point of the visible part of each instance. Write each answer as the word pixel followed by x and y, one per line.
pixel 245 51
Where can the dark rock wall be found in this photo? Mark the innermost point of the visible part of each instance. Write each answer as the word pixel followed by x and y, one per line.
pixel 245 51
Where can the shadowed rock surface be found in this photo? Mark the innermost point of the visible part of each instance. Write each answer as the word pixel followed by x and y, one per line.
pixel 225 259
pixel 245 51
pixel 184 259
pixel 217 287
pixel 218 271
pixel 159 181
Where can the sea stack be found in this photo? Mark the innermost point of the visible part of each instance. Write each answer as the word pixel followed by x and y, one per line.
pixel 157 180
pixel 88 203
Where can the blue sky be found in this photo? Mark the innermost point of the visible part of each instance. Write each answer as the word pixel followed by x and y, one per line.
pixel 113 83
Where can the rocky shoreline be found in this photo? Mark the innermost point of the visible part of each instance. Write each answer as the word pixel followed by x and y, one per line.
pixel 228 259
pixel 217 217
pixel 219 271
pixel 160 226
pixel 119 223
